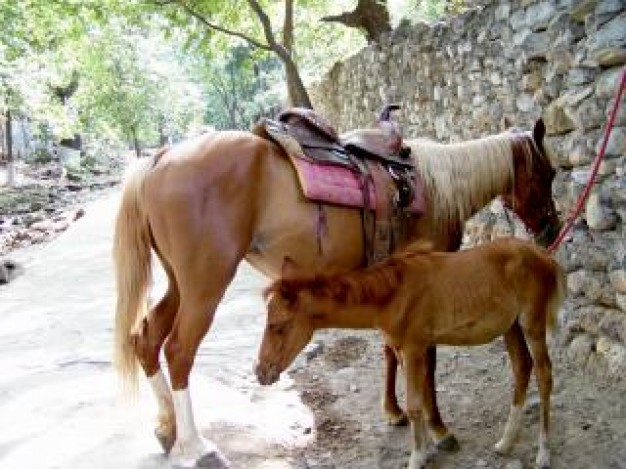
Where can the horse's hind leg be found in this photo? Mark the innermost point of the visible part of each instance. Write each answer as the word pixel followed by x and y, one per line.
pixel 543 372
pixel 201 286
pixel 521 364
pixel 148 341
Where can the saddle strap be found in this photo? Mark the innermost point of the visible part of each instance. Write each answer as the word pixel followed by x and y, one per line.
pixel 379 243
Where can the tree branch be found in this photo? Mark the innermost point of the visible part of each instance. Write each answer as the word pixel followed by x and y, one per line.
pixel 219 28
pixel 288 26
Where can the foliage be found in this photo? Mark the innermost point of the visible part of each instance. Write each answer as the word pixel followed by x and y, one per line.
pixel 427 10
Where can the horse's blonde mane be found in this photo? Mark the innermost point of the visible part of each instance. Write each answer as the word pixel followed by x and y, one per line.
pixel 460 178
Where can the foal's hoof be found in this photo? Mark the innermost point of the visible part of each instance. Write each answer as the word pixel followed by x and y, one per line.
pixel 395 415
pixel 449 444
pixel 398 420
pixel 165 439
pixel 213 460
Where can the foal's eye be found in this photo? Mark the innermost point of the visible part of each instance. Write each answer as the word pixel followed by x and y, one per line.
pixel 277 328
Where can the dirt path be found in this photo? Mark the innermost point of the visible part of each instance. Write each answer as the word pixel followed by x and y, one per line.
pixel 342 384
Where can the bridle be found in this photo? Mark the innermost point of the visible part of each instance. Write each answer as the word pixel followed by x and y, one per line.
pixel 548 230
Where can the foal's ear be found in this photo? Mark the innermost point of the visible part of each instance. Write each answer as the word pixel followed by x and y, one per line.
pixel 539 131
pixel 289 269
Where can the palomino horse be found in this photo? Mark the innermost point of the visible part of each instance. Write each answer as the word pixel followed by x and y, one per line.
pixel 207 203
pixel 420 298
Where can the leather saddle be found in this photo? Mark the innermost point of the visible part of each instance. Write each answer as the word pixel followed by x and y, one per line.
pixel 321 142
pixel 376 155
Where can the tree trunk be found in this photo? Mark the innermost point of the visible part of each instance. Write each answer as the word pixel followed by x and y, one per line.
pixel 10 162
pixel 136 145
pixel 370 16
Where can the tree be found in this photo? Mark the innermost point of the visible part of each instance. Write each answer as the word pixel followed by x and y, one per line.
pixel 369 16
pixel 264 25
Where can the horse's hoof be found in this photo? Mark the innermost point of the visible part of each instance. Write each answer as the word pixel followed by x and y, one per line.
pixel 449 444
pixel 166 440
pixel 213 460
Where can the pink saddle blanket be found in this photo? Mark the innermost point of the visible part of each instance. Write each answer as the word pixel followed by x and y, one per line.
pixel 340 186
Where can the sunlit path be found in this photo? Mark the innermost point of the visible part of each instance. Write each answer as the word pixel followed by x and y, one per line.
pixel 59 400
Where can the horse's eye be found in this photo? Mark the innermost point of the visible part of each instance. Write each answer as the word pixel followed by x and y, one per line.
pixel 277 328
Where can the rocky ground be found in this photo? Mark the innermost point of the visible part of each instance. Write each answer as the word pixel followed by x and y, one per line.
pixel 342 379
pixel 45 201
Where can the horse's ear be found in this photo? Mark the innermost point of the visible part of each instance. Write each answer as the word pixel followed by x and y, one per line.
pixel 539 132
pixel 505 123
pixel 289 269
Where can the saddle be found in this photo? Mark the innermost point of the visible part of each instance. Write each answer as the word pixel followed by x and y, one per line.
pixel 377 156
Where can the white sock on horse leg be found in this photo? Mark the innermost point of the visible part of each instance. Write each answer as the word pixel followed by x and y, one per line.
pixel 185 423
pixel 163 394
pixel 511 429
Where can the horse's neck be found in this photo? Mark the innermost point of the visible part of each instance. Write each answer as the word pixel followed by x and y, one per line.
pixel 464 178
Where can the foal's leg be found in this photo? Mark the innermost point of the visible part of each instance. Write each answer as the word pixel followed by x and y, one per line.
pixel 521 364
pixel 543 372
pixel 415 372
pixel 395 415
pixel 444 440
pixel 147 342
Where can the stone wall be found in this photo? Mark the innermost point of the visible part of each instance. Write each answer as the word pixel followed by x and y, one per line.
pixel 520 59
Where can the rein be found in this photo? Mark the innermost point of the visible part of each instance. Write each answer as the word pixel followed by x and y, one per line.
pixel 596 166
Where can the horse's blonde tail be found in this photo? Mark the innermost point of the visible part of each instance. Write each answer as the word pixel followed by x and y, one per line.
pixel 558 296
pixel 131 256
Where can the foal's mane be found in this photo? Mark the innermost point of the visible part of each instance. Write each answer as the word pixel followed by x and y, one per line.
pixel 373 285
pixel 462 177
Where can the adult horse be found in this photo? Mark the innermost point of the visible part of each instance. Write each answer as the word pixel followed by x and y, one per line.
pixel 209 202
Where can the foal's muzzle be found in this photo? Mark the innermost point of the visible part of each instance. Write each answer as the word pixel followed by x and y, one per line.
pixel 267 374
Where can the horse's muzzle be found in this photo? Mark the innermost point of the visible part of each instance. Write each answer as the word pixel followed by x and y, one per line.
pixel 548 234
pixel 267 374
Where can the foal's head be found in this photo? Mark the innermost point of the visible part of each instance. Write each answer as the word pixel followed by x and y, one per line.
pixel 531 197
pixel 288 330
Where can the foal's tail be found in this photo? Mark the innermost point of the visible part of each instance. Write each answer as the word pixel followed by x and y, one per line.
pixel 131 256
pixel 557 298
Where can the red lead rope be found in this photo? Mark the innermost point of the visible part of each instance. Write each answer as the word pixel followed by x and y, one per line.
pixel 596 167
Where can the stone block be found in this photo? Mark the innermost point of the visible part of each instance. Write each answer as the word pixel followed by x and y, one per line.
pixel 538 16
pixel 616 145
pixel 580 9
pixel 609 35
pixel 618 280
pixel 598 216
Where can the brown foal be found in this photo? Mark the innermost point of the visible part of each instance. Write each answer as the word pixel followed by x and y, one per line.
pixel 420 298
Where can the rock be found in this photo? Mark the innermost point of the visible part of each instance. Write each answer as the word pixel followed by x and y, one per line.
pixel 582 8
pixel 607 83
pixel 610 56
pixel 539 15
pixel 514 464
pixel 312 350
pixel 618 280
pixel 9 270
pixel 556 119
pixel 615 356
pixel 613 326
pixel 616 145
pixel 609 36
pixel 597 215
pixel 580 349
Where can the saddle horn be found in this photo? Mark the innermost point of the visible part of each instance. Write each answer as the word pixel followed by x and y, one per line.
pixel 385 113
